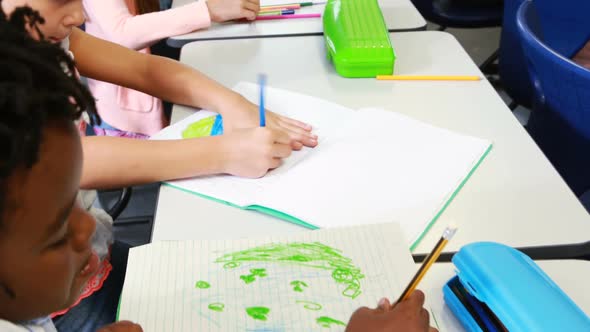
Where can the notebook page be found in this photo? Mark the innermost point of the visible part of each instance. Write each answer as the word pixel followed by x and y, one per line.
pixel 400 170
pixel 241 191
pixel 296 283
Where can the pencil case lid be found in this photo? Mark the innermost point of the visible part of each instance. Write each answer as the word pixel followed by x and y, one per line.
pixel 519 293
pixel 357 39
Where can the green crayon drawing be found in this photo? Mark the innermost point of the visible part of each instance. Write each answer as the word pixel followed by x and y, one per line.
pixel 258 313
pixel 298 285
pixel 250 278
pixel 217 306
pixel 200 128
pixel 231 265
pixel 313 255
pixel 310 305
pixel 202 284
pixel 327 322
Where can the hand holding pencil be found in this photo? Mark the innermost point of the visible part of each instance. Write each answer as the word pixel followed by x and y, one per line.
pixel 447 235
pixel 407 313
pixel 408 316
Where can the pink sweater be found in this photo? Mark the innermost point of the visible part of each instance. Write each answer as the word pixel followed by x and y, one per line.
pixel 115 20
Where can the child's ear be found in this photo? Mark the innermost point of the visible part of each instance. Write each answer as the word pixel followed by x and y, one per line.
pixel 8 291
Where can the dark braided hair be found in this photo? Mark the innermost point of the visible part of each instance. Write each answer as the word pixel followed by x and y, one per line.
pixel 38 85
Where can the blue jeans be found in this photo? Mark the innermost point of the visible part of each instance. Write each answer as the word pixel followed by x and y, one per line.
pixel 100 308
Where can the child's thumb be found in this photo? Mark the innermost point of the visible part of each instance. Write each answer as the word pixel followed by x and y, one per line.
pixel 122 326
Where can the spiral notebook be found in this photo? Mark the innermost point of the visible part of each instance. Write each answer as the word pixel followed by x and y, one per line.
pixel 370 166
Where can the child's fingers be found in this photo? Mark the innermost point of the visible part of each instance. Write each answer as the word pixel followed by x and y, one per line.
pixel 122 326
pixel 295 145
pixel 384 304
pixel 281 150
pixel 305 139
pixel 275 163
pixel 281 137
pixel 416 299
pixel 248 14
pixel 299 134
pixel 295 123
pixel 251 7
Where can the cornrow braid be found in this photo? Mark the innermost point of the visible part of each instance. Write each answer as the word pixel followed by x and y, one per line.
pixel 38 84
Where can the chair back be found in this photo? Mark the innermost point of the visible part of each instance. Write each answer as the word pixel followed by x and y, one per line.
pixel 560 121
pixel 511 62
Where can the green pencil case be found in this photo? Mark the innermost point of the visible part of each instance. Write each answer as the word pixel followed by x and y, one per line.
pixel 357 39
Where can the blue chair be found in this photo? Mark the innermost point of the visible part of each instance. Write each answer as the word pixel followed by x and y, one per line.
pixel 565 24
pixel 560 121
pixel 461 13
pixel 514 75
pixel 464 14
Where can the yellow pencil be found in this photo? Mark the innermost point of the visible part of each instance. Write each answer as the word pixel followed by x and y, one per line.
pixel 430 259
pixel 427 78
pixel 280 7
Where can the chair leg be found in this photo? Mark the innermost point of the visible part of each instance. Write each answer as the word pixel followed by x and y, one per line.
pixel 121 203
pixel 494 81
pixel 487 65
pixel 513 105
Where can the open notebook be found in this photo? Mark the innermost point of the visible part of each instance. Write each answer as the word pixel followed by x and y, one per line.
pixel 306 282
pixel 370 166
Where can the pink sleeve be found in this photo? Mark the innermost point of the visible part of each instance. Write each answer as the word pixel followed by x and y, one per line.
pixel 138 32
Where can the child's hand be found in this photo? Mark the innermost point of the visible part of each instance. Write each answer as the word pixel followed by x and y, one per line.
pixel 248 116
pixel 226 10
pixel 252 152
pixel 407 316
pixel 122 326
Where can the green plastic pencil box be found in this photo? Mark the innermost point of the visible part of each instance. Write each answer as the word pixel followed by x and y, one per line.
pixel 357 39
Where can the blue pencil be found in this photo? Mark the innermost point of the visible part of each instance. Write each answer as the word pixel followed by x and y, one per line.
pixel 262 82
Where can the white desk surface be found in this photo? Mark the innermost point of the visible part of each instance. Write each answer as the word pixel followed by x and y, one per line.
pixel 515 196
pixel 570 275
pixel 399 15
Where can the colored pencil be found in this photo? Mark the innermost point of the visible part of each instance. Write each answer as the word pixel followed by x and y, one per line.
pixel 278 12
pixel 280 17
pixel 427 78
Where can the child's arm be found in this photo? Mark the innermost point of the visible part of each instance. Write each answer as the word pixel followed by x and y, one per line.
pixel 138 32
pixel 170 80
pixel 114 162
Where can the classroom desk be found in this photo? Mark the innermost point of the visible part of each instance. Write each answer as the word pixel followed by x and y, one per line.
pixel 571 276
pixel 399 15
pixel 515 197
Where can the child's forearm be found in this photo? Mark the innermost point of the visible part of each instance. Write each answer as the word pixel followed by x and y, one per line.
pixel 140 31
pixel 181 84
pixel 113 162
pixel 154 75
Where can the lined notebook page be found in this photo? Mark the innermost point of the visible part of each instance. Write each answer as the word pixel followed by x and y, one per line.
pixel 370 166
pixel 305 282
